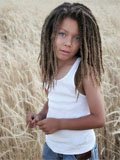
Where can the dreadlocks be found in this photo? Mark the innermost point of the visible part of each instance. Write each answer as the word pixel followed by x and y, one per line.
pixel 90 43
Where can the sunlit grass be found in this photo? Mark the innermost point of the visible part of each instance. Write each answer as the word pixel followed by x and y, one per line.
pixel 20 85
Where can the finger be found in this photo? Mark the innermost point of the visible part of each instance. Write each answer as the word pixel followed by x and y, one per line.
pixel 36 119
pixel 33 116
pixel 28 121
pixel 29 117
pixel 40 123
pixel 30 125
pixel 46 132
pixel 42 128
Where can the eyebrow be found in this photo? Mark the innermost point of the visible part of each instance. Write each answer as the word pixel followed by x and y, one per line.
pixel 67 31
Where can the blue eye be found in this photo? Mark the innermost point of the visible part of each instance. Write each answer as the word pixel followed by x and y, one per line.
pixel 77 38
pixel 62 34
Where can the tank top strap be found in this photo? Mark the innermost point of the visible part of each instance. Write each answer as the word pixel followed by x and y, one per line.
pixel 75 67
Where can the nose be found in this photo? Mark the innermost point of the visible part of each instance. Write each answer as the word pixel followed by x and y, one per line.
pixel 68 42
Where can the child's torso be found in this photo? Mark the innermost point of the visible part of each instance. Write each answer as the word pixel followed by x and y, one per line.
pixel 63 103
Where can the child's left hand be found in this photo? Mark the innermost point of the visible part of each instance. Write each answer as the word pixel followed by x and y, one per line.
pixel 49 125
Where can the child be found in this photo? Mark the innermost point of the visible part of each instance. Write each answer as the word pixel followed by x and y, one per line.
pixel 71 69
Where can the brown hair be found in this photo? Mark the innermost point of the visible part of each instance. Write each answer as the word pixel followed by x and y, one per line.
pixel 90 43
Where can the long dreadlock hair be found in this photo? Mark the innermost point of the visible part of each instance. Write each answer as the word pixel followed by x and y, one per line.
pixel 90 43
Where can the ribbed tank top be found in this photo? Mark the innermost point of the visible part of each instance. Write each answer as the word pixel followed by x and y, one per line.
pixel 63 103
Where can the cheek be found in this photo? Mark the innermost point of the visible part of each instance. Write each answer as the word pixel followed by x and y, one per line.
pixel 57 43
pixel 76 48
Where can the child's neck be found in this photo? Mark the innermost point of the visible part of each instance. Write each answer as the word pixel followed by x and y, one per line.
pixel 62 64
pixel 64 67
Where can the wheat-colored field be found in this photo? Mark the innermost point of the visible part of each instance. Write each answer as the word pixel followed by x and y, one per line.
pixel 20 84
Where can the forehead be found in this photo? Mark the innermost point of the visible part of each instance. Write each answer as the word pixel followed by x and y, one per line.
pixel 69 25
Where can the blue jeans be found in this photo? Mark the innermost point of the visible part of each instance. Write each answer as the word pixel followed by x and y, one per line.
pixel 48 154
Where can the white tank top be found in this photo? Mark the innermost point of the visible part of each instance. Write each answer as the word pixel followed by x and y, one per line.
pixel 63 103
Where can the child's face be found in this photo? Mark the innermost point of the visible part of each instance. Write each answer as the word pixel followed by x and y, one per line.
pixel 67 40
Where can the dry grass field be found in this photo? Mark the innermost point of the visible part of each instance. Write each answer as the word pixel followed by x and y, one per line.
pixel 20 84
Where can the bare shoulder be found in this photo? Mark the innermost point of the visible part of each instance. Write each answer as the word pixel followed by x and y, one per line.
pixel 89 82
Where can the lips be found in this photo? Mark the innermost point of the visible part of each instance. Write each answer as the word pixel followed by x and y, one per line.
pixel 64 52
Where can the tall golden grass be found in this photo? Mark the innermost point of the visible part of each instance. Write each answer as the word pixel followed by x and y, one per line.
pixel 20 84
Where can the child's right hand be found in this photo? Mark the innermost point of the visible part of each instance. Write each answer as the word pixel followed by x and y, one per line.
pixel 32 119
